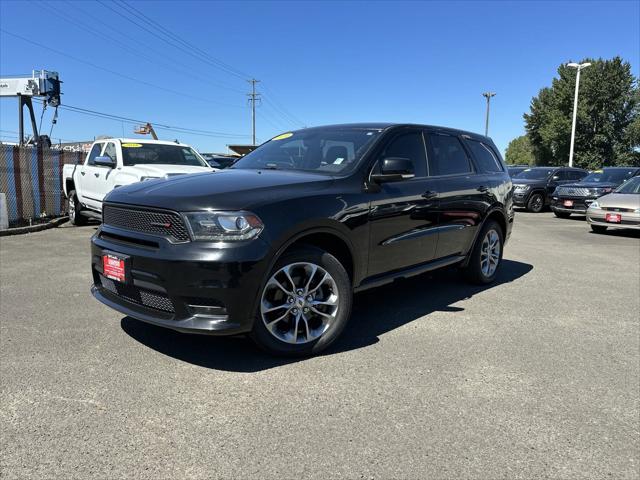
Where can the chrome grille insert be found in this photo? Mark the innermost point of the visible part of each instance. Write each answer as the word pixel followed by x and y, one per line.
pixel 153 222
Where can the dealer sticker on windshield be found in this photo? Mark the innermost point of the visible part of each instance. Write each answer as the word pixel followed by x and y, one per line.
pixel 132 145
pixel 283 136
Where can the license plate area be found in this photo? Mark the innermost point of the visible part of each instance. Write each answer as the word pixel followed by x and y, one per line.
pixel 115 266
pixel 568 203
pixel 613 217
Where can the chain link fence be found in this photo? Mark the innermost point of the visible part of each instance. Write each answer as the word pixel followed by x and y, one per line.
pixel 31 178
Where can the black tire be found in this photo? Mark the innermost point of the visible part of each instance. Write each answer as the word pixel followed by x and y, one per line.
pixel 74 208
pixel 598 228
pixel 473 271
pixel 268 341
pixel 535 203
pixel 561 214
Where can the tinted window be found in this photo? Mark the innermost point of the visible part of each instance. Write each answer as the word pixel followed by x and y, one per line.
pixel 159 154
pixel 448 157
pixel 487 161
pixel 409 146
pixel 577 175
pixel 562 175
pixel 610 175
pixel 95 152
pixel 110 151
pixel 536 173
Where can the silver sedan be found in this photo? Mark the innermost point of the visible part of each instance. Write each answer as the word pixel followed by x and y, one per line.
pixel 619 209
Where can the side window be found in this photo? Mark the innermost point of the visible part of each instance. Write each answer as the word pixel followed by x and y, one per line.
pixel 411 146
pixel 563 175
pixel 447 156
pixel 578 175
pixel 110 151
pixel 95 152
pixel 486 158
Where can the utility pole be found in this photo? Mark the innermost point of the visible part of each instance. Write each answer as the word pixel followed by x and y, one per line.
pixel 253 97
pixel 488 96
pixel 578 67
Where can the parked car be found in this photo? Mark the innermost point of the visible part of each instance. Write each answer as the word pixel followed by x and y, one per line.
pixel 516 169
pixel 576 197
pixel 275 245
pixel 620 209
pixel 115 162
pixel 533 187
pixel 219 161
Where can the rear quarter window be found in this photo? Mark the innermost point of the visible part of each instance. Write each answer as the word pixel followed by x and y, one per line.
pixel 485 157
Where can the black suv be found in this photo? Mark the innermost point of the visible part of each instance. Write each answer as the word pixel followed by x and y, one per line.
pixel 532 188
pixel 576 197
pixel 275 245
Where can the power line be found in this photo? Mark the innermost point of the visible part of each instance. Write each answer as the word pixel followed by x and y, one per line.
pixel 127 77
pixel 278 106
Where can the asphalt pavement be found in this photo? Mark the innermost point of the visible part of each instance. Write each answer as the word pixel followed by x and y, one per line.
pixel 536 376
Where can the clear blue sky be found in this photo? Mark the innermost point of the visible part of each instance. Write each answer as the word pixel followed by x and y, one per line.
pixel 324 62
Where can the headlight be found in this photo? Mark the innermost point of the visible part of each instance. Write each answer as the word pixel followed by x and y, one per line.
pixel 594 204
pixel 144 179
pixel 223 226
pixel 522 188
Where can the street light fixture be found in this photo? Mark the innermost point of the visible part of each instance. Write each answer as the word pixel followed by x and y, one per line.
pixel 578 67
pixel 488 96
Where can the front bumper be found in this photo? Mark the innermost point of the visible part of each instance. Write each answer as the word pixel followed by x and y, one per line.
pixel 578 205
pixel 629 219
pixel 195 287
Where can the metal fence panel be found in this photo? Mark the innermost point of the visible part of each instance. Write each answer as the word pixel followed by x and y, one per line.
pixel 32 181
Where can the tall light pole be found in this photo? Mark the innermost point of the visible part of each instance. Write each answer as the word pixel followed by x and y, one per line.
pixel 488 96
pixel 578 67
pixel 253 97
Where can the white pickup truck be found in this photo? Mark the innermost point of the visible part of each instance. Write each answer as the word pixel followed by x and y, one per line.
pixel 114 162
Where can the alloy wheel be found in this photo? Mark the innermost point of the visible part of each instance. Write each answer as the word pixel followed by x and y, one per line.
pixel 490 253
pixel 299 303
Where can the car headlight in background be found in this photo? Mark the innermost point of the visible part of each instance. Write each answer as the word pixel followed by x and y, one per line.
pixel 594 204
pixel 521 188
pixel 224 226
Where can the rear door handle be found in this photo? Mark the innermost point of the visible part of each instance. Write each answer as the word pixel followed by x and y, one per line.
pixel 429 194
pixel 82 173
pixel 482 188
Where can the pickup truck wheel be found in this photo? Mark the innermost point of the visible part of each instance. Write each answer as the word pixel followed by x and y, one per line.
pixel 74 209
pixel 486 255
pixel 304 304
pixel 535 203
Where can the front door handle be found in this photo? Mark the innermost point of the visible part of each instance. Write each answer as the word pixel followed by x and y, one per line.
pixel 82 173
pixel 482 188
pixel 97 175
pixel 429 194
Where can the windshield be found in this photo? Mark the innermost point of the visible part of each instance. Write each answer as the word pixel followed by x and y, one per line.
pixel 159 154
pixel 630 186
pixel 535 173
pixel 609 176
pixel 317 150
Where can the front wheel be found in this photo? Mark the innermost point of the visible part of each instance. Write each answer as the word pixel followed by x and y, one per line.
pixel 535 203
pixel 598 228
pixel 74 209
pixel 561 214
pixel 304 304
pixel 486 256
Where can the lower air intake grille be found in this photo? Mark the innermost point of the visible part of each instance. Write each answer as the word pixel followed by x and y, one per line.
pixel 154 222
pixel 137 295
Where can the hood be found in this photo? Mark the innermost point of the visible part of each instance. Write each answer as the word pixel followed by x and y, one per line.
pixel 620 200
pixel 161 171
pixel 590 185
pixel 231 189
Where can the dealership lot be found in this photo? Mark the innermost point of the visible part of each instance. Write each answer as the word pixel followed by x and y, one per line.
pixel 534 376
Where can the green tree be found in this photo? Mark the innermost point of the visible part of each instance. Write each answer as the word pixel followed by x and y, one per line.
pixel 520 152
pixel 608 110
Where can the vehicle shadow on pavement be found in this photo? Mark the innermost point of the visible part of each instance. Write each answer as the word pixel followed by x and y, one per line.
pixel 375 312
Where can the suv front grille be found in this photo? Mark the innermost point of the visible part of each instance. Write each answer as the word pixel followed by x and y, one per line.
pixel 154 222
pixel 137 295
pixel 573 191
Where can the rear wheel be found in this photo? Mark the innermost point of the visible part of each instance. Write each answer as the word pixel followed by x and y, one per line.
pixel 304 304
pixel 535 203
pixel 74 208
pixel 598 228
pixel 486 255
pixel 561 214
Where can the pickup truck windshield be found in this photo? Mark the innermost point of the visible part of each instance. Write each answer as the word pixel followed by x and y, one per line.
pixel 318 150
pixel 158 154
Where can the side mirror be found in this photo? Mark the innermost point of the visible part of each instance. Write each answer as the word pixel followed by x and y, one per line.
pixel 104 162
pixel 394 169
